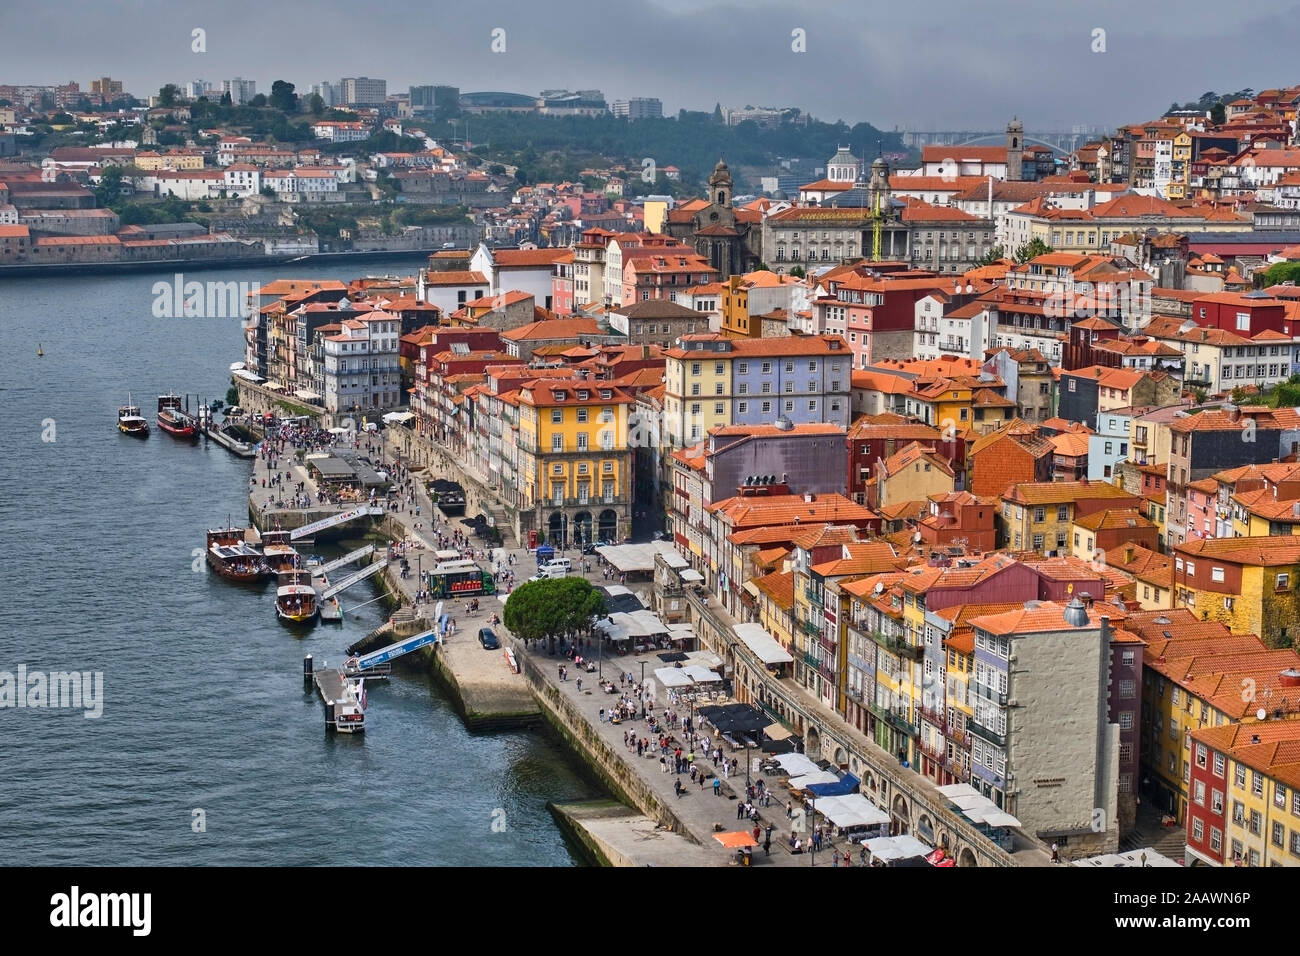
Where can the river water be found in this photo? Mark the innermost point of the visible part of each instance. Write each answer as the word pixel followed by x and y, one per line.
pixel 203 701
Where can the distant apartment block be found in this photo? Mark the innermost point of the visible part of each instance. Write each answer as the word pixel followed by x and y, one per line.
pixel 106 87
pixel 638 107
pixel 363 91
pixel 240 90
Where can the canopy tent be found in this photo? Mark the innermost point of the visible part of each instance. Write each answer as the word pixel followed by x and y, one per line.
pixel 764 646
pixel 795 764
pixel 701 675
pixel 672 677
pixel 672 656
pixel 976 807
pixel 736 840
pixel 851 810
pixel 400 418
pixel 734 718
pixel 274 386
pixel 777 746
pixel 803 781
pixel 845 785
pixel 888 849
pixel 630 558
pixel 690 574
pixel 246 375
pixel 307 395
pixel 776 732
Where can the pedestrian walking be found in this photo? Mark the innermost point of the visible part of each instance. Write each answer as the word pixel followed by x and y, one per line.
pixel 1056 853
pixel 717 787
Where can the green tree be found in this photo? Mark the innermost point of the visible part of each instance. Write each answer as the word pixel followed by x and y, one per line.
pixel 316 104
pixel 283 97
pixel 1278 273
pixel 496 169
pixel 546 609
pixel 167 95
pixel 798 272
pixel 1032 249
pixel 258 101
pixel 1218 114
pixel 226 100
pixel 109 190
pixel 995 254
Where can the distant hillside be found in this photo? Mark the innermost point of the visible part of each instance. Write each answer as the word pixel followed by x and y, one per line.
pixel 549 148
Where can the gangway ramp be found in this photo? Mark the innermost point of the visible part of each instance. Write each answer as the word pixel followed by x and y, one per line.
pixel 348 558
pixel 342 517
pixel 392 651
pixel 368 571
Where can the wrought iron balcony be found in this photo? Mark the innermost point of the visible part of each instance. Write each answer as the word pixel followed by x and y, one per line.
pixel 812 660
pixel 813 628
pixel 814 596
pixel 987 733
pixel 898 721
pixel 898 645
pixel 988 693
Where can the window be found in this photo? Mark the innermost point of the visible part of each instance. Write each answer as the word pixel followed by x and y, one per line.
pixel 1256 783
pixel 1216 839
pixel 742 407
pixel 717 408
pixel 767 407
pixel 1239 778
pixel 1198 793
pixel 742 388
pixel 1198 830
pixel 1126 720
pixel 1295 802
pixel 1216 801
pixel 1238 812
pixel 1216 575
pixel 1278 834
pixel 695 408
pixel 1200 756
pixel 557 443
pixel 767 368
pixel 1127 689
pixel 789 406
pixel 1040 514
pixel 1062 512
pixel 1279 796
pixel 1283 581
pixel 695 388
pixel 1295 843
pixel 717 368
pixel 582 416
pixel 743 368
pixel 1218 765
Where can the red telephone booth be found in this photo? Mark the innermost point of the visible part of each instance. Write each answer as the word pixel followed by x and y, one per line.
pixel 532 540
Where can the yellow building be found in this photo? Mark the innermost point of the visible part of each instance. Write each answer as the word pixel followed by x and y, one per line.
pixel 697 394
pixel 1180 170
pixel 1246 795
pixel 575 467
pixel 1152 572
pixel 776 606
pixel 1199 676
pixel 1247 583
pixel 1040 515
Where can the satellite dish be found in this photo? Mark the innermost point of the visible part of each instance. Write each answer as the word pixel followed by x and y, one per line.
pixel 879 588
pixel 1261 713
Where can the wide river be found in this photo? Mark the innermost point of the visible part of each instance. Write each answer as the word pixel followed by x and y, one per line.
pixel 204 707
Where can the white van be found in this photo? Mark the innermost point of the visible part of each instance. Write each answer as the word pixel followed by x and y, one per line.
pixel 556 568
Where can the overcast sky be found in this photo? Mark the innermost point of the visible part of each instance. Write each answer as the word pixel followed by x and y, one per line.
pixel 934 64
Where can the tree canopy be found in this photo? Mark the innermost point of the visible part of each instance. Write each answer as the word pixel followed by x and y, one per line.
pixel 1032 249
pixel 545 609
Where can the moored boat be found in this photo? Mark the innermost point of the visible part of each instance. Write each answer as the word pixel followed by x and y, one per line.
pixel 130 421
pixel 231 556
pixel 295 598
pixel 278 552
pixel 174 420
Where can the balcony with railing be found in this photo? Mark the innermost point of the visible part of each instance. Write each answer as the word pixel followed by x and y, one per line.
pixel 934 716
pixel 897 644
pixel 811 659
pixel 987 733
pixel 814 596
pixel 897 720
pixel 812 628
pixel 988 693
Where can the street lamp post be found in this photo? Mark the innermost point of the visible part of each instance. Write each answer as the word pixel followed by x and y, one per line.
pixel 812 844
pixel 642 663
pixel 746 763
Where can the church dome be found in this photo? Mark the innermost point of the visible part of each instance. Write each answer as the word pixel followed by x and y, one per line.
pixel 780 196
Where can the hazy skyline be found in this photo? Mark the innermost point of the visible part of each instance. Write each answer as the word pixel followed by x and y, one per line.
pixel 937 65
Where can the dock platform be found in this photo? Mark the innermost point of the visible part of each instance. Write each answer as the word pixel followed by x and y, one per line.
pixel 343 711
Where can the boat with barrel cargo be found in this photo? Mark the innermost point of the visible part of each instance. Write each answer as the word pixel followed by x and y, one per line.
pixel 295 598
pixel 174 420
pixel 278 552
pixel 231 556
pixel 130 421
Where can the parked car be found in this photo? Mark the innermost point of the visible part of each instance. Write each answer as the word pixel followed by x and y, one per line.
pixel 489 640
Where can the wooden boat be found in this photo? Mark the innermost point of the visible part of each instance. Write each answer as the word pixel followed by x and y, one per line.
pixel 295 598
pixel 174 420
pixel 231 556
pixel 331 612
pixel 278 552
pixel 130 421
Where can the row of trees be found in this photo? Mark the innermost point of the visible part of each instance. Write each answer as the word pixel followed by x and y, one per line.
pixel 1030 250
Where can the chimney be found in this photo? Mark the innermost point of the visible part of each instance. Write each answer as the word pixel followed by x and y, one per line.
pixel 1128 553
pixel 807 497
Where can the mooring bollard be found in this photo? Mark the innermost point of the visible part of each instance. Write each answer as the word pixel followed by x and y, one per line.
pixel 306 671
